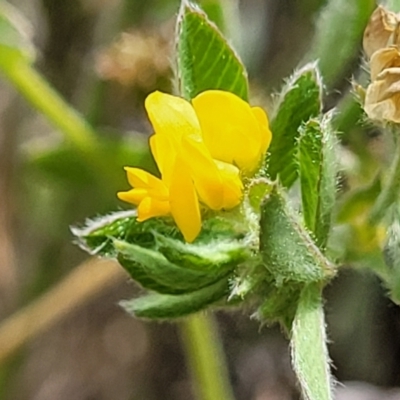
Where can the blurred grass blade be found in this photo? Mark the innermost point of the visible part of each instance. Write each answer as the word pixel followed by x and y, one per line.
pixel 158 306
pixel 318 170
pixel 338 36
pixel 287 249
pixel 15 35
pixel 204 58
pixel 309 352
pixel 299 101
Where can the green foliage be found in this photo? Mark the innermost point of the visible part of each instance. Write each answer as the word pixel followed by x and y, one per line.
pixel 215 13
pixel 258 189
pixel 391 276
pixel 284 276
pixel 338 37
pixel 97 237
pixel 318 175
pixel 154 254
pixel 204 58
pixel 143 264
pixel 308 341
pixel 286 247
pixel 158 306
pixel 224 256
pixel 280 304
pixel 299 101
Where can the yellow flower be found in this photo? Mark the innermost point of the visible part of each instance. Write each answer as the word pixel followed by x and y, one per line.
pixel 200 150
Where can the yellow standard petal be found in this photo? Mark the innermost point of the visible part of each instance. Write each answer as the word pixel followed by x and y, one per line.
pixel 184 201
pixel 266 135
pixel 229 127
pixel 172 116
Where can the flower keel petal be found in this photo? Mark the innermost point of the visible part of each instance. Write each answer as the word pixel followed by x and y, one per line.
pixel 184 202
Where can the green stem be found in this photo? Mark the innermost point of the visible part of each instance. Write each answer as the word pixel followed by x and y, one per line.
pixel 309 351
pixel 390 191
pixel 46 100
pixel 205 357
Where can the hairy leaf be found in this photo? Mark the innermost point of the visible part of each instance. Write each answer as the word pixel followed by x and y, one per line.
pixel 157 306
pixel 318 170
pixel 299 101
pixel 205 60
pixel 287 249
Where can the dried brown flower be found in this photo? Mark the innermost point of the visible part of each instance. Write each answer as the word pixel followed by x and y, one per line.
pixel 381 31
pixel 135 59
pixel 382 43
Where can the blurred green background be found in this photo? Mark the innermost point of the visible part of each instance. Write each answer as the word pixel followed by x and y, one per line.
pixel 104 57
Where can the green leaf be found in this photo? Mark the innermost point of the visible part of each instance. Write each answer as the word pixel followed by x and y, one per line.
pixel 308 342
pixel 204 58
pixel 215 256
pixel 15 35
pixel 287 249
pixel 154 272
pixel 215 12
pixel 257 190
pixel 339 33
pixel 318 175
pixel 98 234
pixel 299 101
pixel 157 306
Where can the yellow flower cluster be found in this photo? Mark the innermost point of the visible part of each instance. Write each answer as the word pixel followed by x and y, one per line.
pixel 200 149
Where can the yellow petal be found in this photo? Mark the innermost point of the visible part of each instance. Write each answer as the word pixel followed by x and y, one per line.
pixel 142 179
pixel 133 196
pixel 232 185
pixel 172 116
pixel 203 170
pixel 164 153
pixel 184 202
pixel 150 207
pixel 263 123
pixel 230 130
